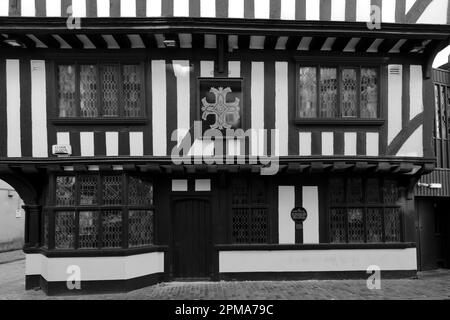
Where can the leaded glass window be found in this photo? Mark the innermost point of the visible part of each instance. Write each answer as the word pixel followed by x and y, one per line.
pixel 140 192
pixel 330 92
pixel 93 211
pixel 349 93
pixel 369 93
pixel 66 92
pixel 64 229
pixel 112 190
pixel 98 90
pixel 370 213
pixel 249 218
pixel 88 91
pixel 132 90
pixel 112 229
pixel 88 189
pixel 110 87
pixel 65 191
pixel 140 228
pixel 307 93
pixel 88 230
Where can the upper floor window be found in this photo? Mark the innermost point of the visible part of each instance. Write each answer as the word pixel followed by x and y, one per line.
pixel 100 90
pixel 337 92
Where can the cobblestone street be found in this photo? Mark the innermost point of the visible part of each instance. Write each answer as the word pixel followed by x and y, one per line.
pixel 429 285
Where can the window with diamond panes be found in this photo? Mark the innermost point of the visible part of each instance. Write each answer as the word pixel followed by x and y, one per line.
pixel 91 212
pixel 64 229
pixel 335 92
pixel 364 210
pixel 100 90
pixel 249 216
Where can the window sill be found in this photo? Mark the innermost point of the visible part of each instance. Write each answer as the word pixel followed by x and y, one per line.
pixel 95 121
pixel 339 122
pixel 318 246
pixel 119 252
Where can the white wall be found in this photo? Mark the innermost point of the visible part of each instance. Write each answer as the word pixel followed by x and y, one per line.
pixel 317 260
pixel 11 228
pixel 95 268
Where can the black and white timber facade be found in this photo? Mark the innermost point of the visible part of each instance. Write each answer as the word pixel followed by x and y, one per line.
pixel 97 97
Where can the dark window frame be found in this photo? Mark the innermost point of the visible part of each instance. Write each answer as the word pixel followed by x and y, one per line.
pixel 250 206
pixel 364 206
pixel 339 66
pixel 125 208
pixel 100 118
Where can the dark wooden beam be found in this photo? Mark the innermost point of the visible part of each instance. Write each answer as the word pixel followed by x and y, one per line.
pixel 212 169
pixel 387 45
pixel 364 44
pixel 404 167
pixel 129 167
pixel 340 43
pixel 98 41
pixel 222 47
pixel 198 41
pixel 122 40
pixel 293 42
pixel 5 169
pixel 271 42
pixel 80 168
pixel 72 40
pixel 49 41
pixel 243 42
pixel 410 44
pixel 383 167
pixel 293 167
pixel 317 43
pixel 149 40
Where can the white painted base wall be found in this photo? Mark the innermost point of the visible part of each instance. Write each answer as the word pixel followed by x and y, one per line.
pixel 96 268
pixel 317 260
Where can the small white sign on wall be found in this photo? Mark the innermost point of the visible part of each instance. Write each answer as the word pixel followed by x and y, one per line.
pixel 19 213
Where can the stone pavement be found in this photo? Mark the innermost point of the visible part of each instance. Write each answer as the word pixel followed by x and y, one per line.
pixel 429 285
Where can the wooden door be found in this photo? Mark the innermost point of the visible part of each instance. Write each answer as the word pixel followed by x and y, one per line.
pixel 432 233
pixel 191 238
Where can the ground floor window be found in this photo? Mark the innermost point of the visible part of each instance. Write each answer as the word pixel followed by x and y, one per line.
pixel 364 210
pixel 249 211
pixel 93 211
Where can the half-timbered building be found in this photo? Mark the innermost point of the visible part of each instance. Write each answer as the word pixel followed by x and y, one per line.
pixel 154 140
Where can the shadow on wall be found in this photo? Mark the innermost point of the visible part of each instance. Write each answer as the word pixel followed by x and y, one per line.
pixel 12 218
